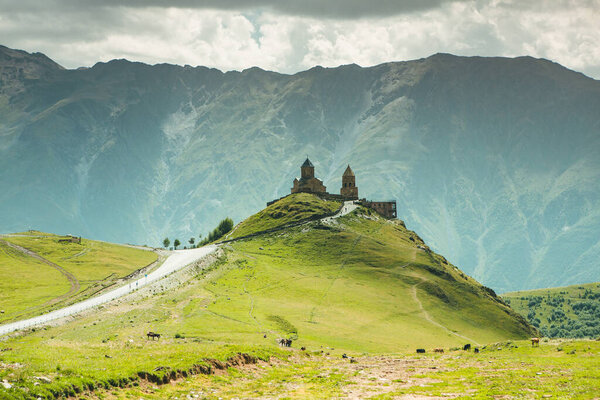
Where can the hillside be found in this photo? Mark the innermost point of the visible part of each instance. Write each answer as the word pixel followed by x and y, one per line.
pixel 39 273
pixel 289 210
pixel 565 312
pixel 357 284
pixel 492 160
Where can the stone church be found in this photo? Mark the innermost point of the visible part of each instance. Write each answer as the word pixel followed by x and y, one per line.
pixel 308 183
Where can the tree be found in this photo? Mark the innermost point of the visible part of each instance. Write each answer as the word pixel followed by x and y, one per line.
pixel 191 241
pixel 166 242
pixel 225 226
pixel 176 243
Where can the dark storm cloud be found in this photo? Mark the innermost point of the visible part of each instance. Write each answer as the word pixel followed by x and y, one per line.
pixel 341 9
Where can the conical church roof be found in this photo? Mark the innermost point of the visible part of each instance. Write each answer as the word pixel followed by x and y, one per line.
pixel 307 163
pixel 348 171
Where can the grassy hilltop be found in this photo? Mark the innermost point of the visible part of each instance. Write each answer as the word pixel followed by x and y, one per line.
pixel 567 312
pixel 30 286
pixel 361 285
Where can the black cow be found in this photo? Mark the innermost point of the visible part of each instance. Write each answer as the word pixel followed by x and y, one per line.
pixel 467 346
pixel 153 335
pixel 420 350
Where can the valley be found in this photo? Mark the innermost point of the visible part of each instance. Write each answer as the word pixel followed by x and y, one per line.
pixel 482 154
pixel 357 284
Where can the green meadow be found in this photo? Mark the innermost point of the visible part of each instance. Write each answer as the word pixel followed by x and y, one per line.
pixel 361 285
pixel 558 369
pixel 29 286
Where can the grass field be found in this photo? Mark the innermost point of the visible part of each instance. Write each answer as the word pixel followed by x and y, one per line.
pixel 570 311
pixel 506 370
pixel 23 277
pixel 361 285
pixel 293 208
pixel 29 286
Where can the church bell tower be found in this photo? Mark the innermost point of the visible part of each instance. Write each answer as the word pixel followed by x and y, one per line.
pixel 349 189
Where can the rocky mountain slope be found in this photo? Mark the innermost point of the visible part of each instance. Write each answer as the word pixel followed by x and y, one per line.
pixel 494 161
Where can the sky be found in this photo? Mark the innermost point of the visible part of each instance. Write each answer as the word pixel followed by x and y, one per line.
pixel 293 35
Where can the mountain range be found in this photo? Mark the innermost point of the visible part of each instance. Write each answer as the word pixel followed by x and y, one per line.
pixel 493 161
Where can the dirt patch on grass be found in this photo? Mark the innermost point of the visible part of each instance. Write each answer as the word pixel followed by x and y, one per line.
pixel 375 376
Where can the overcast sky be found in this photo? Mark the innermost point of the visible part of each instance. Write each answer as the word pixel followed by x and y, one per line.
pixel 293 35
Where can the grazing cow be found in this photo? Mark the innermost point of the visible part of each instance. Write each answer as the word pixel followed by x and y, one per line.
pixel 467 346
pixel 420 350
pixel 535 341
pixel 153 335
pixel 438 350
pixel 476 350
pixel 344 355
pixel 303 348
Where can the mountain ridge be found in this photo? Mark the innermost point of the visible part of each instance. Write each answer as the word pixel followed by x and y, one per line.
pixel 491 160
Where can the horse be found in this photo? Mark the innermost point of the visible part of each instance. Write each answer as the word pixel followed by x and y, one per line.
pixel 285 342
pixel 153 335
pixel 535 341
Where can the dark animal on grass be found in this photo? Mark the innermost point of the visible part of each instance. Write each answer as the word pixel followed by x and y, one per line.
pixel 467 346
pixel 303 348
pixel 344 355
pixel 420 351
pixel 153 335
pixel 535 341
pixel 285 342
pixel 476 350
pixel 438 350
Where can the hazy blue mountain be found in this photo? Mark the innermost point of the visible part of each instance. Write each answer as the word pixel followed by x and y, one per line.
pixel 495 162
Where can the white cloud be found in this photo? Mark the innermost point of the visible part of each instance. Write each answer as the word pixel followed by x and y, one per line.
pixel 563 31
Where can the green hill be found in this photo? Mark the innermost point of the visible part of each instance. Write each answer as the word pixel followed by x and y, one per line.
pixel 567 312
pixel 359 284
pixel 41 271
pixel 289 210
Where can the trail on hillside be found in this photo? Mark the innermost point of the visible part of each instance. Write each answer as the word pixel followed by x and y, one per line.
pixel 429 318
pixel 75 286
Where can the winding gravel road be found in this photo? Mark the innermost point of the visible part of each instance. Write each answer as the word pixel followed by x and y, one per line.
pixel 176 261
